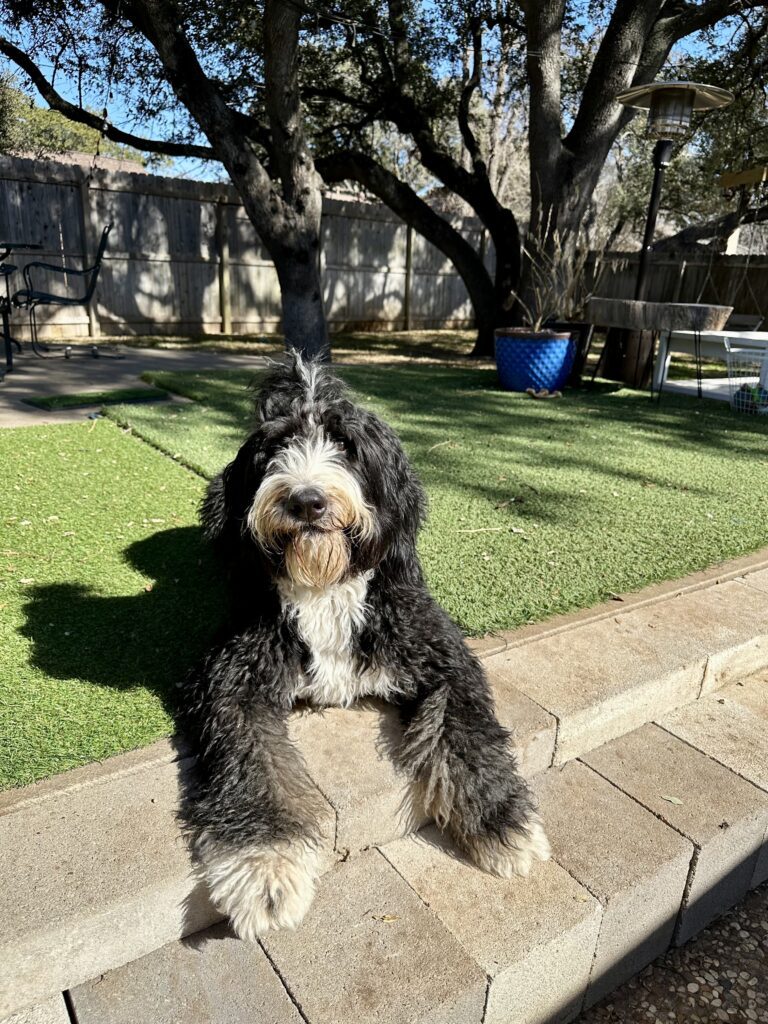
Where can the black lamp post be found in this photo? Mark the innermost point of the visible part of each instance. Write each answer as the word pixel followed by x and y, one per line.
pixel 670 106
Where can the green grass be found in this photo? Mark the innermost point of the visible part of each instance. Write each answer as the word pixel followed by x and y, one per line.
pixel 438 345
pixel 85 398
pixel 684 368
pixel 105 594
pixel 536 507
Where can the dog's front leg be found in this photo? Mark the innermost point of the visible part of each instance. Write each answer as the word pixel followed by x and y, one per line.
pixel 465 770
pixel 253 810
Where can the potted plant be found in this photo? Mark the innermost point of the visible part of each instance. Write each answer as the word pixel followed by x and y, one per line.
pixel 550 351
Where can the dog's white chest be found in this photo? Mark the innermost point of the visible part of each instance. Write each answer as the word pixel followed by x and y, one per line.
pixel 326 621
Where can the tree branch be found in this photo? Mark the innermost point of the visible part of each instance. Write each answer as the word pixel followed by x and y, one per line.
pixel 400 105
pixel 695 17
pixel 75 113
pixel 410 207
pixel 470 85
pixel 719 227
pixel 614 69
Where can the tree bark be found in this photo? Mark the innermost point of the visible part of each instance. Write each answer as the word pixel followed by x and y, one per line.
pixel 408 205
pixel 287 215
pixel 301 295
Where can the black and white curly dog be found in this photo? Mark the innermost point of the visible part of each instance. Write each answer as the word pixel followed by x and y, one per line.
pixel 317 518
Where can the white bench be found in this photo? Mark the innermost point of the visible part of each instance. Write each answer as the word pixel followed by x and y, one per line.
pixel 713 346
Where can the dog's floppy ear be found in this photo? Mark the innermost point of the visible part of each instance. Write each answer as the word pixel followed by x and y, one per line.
pixel 230 494
pixel 394 488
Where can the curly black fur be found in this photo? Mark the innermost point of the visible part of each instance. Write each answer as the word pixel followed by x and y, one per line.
pixel 252 787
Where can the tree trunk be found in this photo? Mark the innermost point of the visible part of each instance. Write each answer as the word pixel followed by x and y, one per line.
pixel 407 204
pixel 487 319
pixel 287 215
pixel 304 323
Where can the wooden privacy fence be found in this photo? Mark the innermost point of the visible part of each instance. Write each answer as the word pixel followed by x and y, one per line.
pixel 738 281
pixel 184 258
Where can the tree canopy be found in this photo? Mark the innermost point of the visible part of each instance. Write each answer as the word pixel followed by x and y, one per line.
pixel 506 108
pixel 39 132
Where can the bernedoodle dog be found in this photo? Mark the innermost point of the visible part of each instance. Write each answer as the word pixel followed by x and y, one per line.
pixel 316 519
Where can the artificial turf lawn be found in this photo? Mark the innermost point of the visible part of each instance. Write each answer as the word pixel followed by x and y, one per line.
pixel 105 594
pixel 535 507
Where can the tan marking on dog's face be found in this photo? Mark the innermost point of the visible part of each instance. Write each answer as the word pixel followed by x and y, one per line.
pixel 317 559
pixel 317 554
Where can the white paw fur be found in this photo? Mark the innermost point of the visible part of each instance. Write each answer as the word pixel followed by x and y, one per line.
pixel 516 855
pixel 261 888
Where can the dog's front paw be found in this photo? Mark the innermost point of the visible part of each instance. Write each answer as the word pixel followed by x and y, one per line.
pixel 515 854
pixel 261 888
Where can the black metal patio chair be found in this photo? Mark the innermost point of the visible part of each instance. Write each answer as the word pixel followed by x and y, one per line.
pixel 30 298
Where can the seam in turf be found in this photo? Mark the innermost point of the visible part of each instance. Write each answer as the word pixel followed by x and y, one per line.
pixel 126 426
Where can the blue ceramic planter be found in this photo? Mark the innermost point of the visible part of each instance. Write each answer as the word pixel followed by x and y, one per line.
pixel 533 359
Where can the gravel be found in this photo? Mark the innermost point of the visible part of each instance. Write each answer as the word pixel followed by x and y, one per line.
pixel 720 975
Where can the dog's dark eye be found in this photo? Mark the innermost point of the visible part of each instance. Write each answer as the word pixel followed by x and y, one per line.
pixel 343 444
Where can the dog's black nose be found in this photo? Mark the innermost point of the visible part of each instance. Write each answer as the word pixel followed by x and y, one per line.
pixel 308 504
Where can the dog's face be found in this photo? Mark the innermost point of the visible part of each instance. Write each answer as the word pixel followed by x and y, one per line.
pixel 322 487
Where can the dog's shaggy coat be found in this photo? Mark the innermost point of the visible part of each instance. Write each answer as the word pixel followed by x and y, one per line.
pixel 316 520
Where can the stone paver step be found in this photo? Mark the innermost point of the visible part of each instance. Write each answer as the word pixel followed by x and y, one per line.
pixel 606 677
pixel 101 871
pixel 651 839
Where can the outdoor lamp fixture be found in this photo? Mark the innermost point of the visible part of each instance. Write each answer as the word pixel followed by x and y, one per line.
pixel 670 106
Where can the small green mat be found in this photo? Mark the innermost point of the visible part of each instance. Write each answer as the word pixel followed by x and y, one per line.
pixel 86 398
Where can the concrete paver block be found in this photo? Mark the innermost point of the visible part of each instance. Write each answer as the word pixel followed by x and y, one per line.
pixel 348 753
pixel 599 681
pixel 751 693
pixel 634 864
pixel 722 815
pixel 739 645
pixel 726 731
pixel 534 936
pixel 607 677
pixel 723 667
pixel 370 951
pixel 757 580
pixel 98 873
pixel 210 978
pixel 52 1011
pixel 533 729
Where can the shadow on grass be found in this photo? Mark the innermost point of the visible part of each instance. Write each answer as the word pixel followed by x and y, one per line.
pixel 603 432
pixel 145 639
